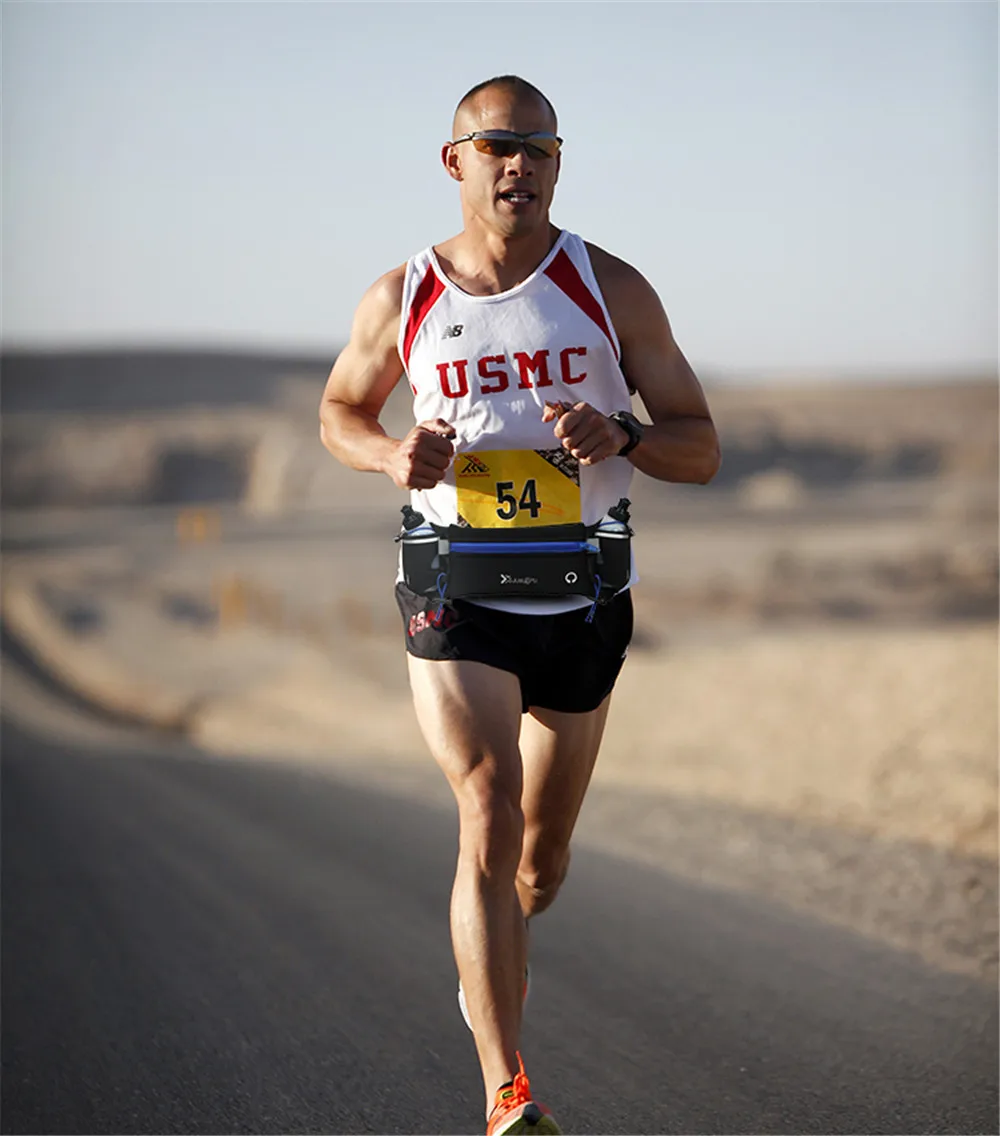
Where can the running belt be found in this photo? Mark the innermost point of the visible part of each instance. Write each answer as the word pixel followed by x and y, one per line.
pixel 462 562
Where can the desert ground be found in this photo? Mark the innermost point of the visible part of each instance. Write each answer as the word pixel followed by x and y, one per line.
pixel 809 709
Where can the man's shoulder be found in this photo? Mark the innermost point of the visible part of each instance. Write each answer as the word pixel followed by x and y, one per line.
pixel 382 301
pixel 618 280
pixel 388 288
pixel 607 264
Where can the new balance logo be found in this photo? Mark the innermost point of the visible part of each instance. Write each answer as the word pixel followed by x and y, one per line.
pixel 453 331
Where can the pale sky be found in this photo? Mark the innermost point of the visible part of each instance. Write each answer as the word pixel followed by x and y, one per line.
pixel 811 187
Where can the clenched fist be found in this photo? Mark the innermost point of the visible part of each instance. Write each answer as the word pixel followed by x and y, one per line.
pixel 589 435
pixel 422 457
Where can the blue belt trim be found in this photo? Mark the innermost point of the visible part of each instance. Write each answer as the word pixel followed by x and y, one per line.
pixel 520 546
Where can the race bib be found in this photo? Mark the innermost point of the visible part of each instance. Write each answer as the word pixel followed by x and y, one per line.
pixel 517 488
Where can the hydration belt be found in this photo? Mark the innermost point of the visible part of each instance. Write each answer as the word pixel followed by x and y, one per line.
pixel 462 562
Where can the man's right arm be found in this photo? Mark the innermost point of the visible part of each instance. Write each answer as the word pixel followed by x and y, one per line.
pixel 362 379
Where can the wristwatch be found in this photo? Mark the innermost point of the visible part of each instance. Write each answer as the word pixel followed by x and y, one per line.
pixel 632 426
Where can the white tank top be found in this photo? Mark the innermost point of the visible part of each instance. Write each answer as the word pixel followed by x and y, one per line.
pixel 487 365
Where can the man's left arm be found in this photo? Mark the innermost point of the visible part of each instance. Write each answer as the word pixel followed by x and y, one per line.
pixel 681 444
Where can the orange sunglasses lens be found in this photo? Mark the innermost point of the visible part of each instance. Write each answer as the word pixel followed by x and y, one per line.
pixel 537 145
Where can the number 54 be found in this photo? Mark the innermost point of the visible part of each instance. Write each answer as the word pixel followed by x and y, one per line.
pixel 510 504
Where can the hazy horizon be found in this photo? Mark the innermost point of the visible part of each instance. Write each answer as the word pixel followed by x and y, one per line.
pixel 725 376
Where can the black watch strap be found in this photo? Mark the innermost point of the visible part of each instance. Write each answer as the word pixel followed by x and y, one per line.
pixel 632 426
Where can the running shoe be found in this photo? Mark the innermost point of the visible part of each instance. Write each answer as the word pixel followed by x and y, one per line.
pixel 514 1110
pixel 465 1009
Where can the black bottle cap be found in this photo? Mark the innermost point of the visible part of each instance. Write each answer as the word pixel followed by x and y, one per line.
pixel 411 518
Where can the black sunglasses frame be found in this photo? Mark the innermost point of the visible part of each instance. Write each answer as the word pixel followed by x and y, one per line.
pixel 513 136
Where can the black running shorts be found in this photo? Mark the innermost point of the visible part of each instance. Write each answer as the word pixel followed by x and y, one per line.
pixel 564 663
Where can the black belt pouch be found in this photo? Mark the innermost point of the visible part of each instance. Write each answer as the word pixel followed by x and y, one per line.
pixel 550 560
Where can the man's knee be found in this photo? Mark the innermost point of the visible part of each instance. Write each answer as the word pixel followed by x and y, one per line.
pixel 491 824
pixel 538 884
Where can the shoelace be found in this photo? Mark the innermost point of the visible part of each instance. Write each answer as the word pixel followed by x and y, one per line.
pixel 516 1093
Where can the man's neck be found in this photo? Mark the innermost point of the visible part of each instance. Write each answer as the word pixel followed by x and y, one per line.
pixel 484 264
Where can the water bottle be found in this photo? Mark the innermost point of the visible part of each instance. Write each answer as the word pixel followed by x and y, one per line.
pixel 421 562
pixel 615 539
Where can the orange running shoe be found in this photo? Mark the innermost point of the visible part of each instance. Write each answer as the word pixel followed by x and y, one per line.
pixel 515 1111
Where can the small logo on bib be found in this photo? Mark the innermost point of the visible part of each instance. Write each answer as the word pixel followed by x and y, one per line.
pixel 453 331
pixel 473 466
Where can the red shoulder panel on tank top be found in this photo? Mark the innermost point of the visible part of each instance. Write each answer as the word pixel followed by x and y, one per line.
pixel 563 273
pixel 426 296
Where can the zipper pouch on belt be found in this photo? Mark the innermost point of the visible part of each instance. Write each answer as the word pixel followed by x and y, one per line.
pixel 553 560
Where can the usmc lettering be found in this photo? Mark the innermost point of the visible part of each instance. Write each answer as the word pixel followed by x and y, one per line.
pixel 495 373
pixel 567 376
pixel 537 364
pixel 485 372
pixel 461 369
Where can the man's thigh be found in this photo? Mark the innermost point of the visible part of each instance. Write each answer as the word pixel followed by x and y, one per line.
pixel 470 716
pixel 558 752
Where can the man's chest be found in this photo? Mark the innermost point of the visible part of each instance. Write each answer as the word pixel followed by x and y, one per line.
pixel 491 350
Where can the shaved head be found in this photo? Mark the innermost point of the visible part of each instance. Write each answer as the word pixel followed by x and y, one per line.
pixel 466 113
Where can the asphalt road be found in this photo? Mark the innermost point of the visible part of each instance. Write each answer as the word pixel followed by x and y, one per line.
pixel 197 945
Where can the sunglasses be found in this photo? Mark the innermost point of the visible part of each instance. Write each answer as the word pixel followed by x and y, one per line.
pixel 505 143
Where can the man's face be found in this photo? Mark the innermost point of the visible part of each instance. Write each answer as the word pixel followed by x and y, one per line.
pixel 510 196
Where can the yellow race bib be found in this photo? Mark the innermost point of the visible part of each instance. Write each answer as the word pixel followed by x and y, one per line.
pixel 500 489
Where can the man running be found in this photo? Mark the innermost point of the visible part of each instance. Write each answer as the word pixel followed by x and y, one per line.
pixel 519 342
